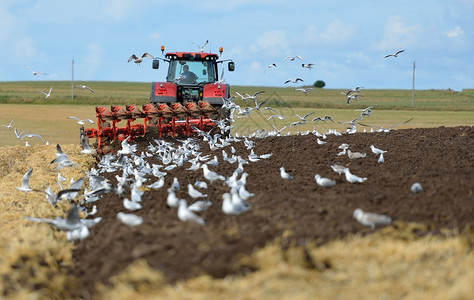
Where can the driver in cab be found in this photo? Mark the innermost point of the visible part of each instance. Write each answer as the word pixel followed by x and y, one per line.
pixel 188 76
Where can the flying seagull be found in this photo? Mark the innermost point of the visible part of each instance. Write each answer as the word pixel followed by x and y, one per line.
pixel 47 95
pixel 292 58
pixel 79 121
pixel 9 126
pixel 25 181
pixel 294 80
pixel 201 48
pixel 35 72
pixel 84 87
pixel 304 90
pixel 308 66
pixel 139 60
pixel 395 54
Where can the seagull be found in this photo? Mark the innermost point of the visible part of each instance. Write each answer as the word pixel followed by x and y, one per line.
pixel 36 73
pixel 381 159
pixel 172 200
pixel 353 178
pixel 246 96
pixel 195 193
pixel 294 80
pixel 376 150
pixel 303 118
pixel 200 205
pixel 86 149
pixel 272 65
pixel 139 60
pixel 304 90
pixel 9 126
pixel 338 168
pixel 324 119
pixel 292 58
pixel 278 117
pixel 308 66
pixel 30 135
pixel 175 186
pixel 130 219
pixel 386 129
pixel 354 90
pixel 284 174
pixel 47 95
pixel 324 182
pixel 416 188
pixel 18 136
pixel 79 121
pixel 85 87
pixel 131 205
pixel 210 175
pixel 370 219
pixel 25 181
pixel 395 54
pixel 75 227
pixel 229 208
pixel 355 155
pixel 54 199
pixel 201 48
pixel 185 214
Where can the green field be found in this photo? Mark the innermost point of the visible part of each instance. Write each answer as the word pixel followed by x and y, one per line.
pixel 32 113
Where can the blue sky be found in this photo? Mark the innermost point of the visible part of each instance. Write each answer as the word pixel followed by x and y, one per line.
pixel 346 40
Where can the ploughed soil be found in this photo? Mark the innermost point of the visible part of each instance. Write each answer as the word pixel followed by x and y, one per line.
pixel 440 159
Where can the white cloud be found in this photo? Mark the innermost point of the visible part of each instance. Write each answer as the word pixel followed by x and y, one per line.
pixel 455 32
pixel 155 36
pixel 273 42
pixel 336 32
pixel 398 34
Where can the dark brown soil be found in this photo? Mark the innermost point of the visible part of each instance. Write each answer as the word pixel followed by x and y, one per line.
pixel 441 159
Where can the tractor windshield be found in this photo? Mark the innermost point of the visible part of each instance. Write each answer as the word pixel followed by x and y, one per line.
pixel 191 72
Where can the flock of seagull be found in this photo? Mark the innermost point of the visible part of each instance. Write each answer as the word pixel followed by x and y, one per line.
pixel 138 175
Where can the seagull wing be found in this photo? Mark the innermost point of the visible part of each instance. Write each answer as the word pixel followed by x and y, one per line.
pixel 398 52
pixel 75 118
pixel 401 123
pixel 132 57
pixel 148 55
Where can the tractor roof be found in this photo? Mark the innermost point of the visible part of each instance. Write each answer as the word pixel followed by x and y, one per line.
pixel 192 55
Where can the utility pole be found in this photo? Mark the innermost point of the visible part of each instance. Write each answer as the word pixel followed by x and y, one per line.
pixel 413 87
pixel 72 79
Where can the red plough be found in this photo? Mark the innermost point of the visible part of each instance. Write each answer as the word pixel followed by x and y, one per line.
pixel 168 120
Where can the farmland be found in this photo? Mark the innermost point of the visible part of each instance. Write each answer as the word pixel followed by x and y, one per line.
pixel 297 241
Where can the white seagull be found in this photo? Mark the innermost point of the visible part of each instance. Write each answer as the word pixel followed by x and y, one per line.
pixel 84 87
pixel 129 219
pixel 201 48
pixel 292 58
pixel 353 178
pixel 185 214
pixel 9 126
pixel 370 219
pixel 324 182
pixel 284 174
pixel 416 188
pixel 294 80
pixel 35 72
pixel 376 150
pixel 25 181
pixel 30 135
pixel 79 121
pixel 304 90
pixel 47 95
pixel 210 175
pixel 195 193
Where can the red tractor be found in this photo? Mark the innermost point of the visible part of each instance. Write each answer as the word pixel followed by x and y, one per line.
pixel 190 98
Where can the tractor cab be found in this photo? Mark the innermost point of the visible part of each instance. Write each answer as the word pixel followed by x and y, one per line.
pixel 192 76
